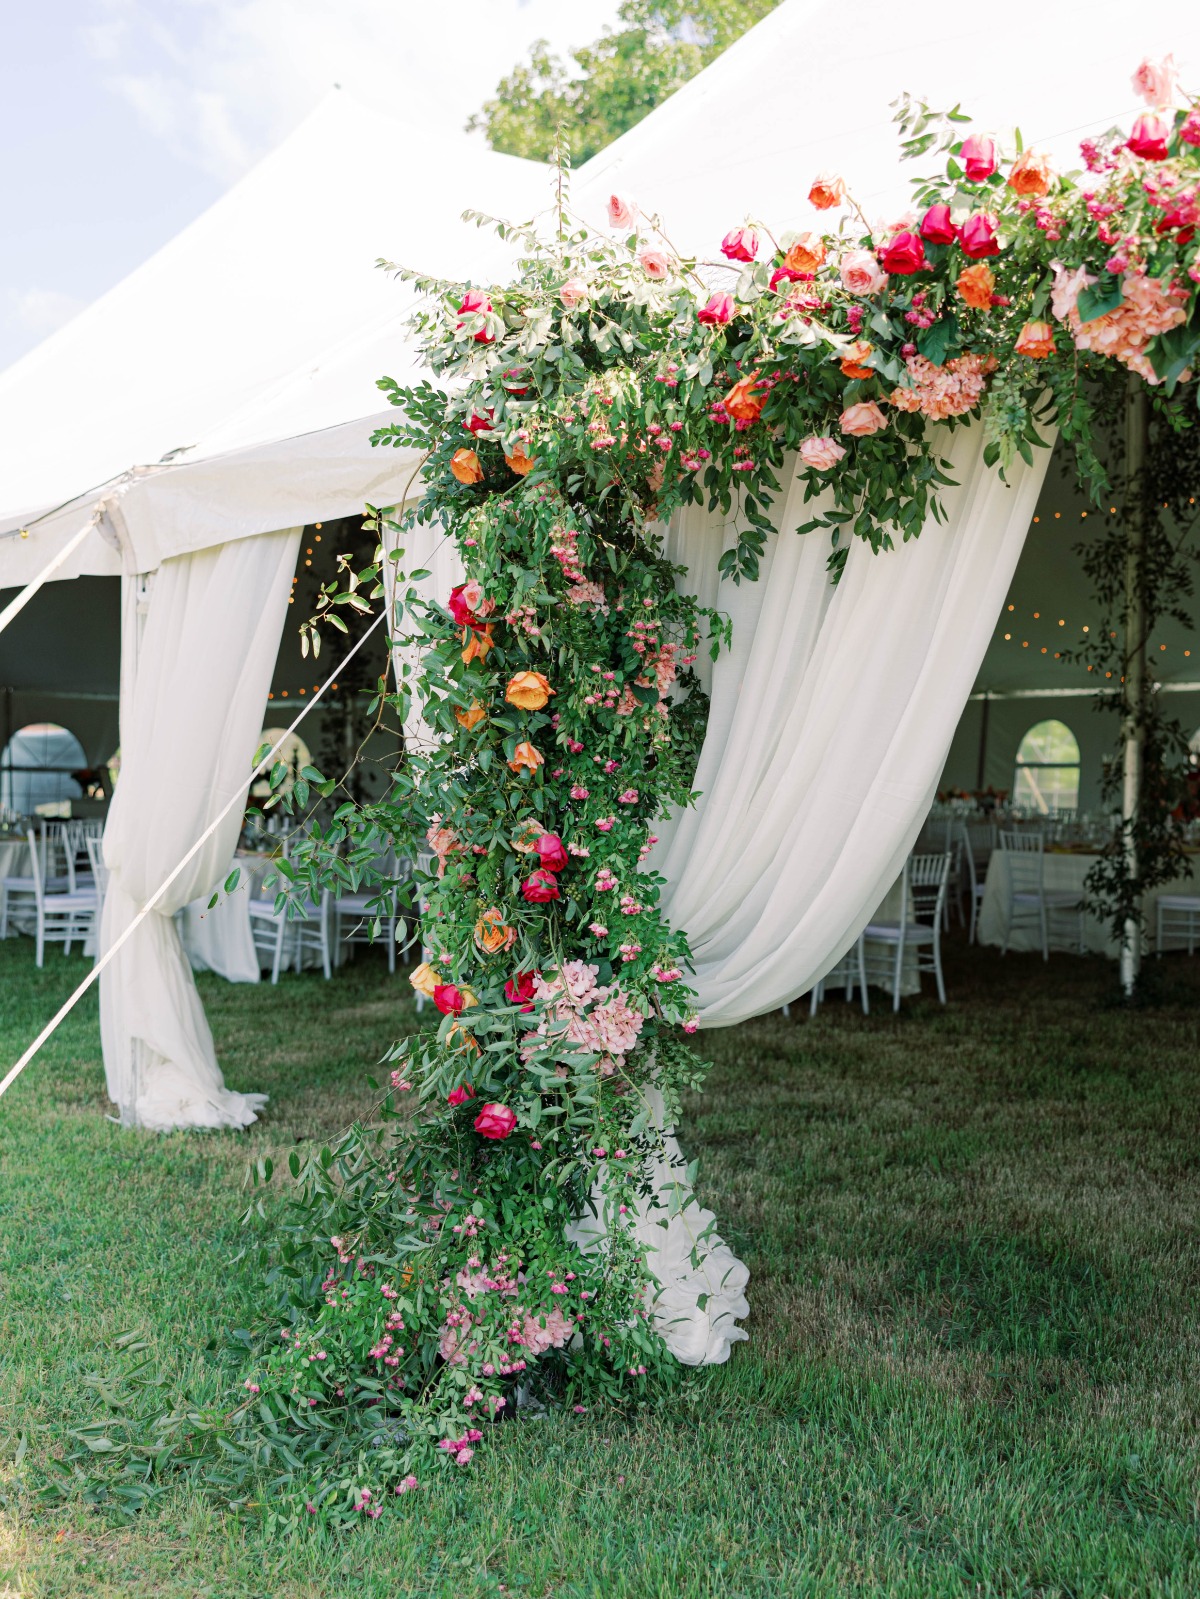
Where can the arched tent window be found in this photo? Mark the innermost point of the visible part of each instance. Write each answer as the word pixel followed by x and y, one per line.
pixel 36 767
pixel 1047 774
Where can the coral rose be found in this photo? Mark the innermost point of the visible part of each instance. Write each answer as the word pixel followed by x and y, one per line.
pixel 425 979
pixel 904 255
pixel 540 887
pixel 979 157
pixel 471 717
pixel 1155 81
pixel 717 311
pixel 821 453
pixel 526 756
pixel 526 838
pixel 552 853
pixel 529 691
pixel 977 236
pixel 460 1095
pixel 622 213
pixel 806 253
pixel 476 303
pixel 573 292
pixel 743 402
pixel 1148 138
pixel 827 191
pixel 1030 175
pixel 861 273
pixel 861 419
pixel 976 284
pixel 492 933
pixel 740 244
pixel 1035 339
pixel 464 464
pixel 478 644
pixel 495 1121
pixel 853 357
pixel 519 462
pixel 936 226
pixel 654 263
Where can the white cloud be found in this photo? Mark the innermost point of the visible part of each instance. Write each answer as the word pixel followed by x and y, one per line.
pixel 221 81
pixel 40 311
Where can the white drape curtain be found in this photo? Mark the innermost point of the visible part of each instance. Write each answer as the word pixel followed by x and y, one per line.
pixel 199 645
pixel 830 721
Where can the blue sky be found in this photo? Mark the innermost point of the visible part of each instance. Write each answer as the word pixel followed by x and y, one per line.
pixel 124 119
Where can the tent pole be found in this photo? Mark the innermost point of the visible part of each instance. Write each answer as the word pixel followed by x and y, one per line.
pixel 1137 419
pixel 981 769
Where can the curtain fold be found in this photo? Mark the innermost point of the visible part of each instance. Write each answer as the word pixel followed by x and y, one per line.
pixel 199 646
pixel 830 721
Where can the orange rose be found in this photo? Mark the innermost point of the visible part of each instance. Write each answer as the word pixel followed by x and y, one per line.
pixel 862 419
pixel 975 284
pixel 826 192
pixel 526 839
pixel 853 357
pixel 1030 175
pixel 459 1038
pixel 525 755
pixel 1035 339
pixel 472 716
pixel 478 644
pixel 465 466
pixel 743 402
pixel 806 254
pixel 492 934
pixel 519 462
pixel 528 691
pixel 425 979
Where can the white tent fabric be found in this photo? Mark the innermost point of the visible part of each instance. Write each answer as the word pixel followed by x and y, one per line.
pixel 199 644
pixel 829 725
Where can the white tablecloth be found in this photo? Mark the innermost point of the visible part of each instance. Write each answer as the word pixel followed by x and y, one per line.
pixel 1064 871
pixel 15 862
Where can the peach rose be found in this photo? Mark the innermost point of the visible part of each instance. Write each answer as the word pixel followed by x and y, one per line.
pixel 853 357
pixel 861 273
pixel 526 756
pixel 743 402
pixel 827 191
pixel 862 419
pixel 471 717
pixel 1155 81
pixel 526 838
pixel 806 253
pixel 821 453
pixel 492 933
pixel 654 263
pixel 1035 339
pixel 519 462
pixel 465 466
pixel 478 644
pixel 1030 175
pixel 425 979
pixel 529 691
pixel 573 292
pixel 976 285
pixel 622 213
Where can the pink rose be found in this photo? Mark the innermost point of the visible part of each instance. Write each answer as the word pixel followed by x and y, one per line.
pixel 472 593
pixel 495 1121
pixel 460 1095
pixel 860 273
pixel 1189 133
pixel 905 254
pixel 977 236
pixel 540 887
pixel 979 157
pixel 717 311
pixel 1155 81
pixel 1067 287
pixel 552 852
pixel 573 292
pixel 861 419
pixel 936 226
pixel 740 244
pixel 475 303
pixel 821 453
pixel 449 999
pixel 622 213
pixel 654 263
pixel 1148 138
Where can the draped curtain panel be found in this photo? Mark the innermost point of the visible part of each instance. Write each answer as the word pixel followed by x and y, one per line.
pixel 199 643
pixel 830 721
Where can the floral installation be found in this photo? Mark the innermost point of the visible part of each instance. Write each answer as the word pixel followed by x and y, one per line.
pixel 431 1277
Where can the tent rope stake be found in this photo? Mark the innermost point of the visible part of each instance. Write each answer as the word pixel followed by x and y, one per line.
pixel 238 799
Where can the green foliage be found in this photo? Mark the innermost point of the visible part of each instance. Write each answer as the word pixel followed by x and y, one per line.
pixel 607 87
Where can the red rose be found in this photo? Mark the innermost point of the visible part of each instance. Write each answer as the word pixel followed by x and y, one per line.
pixel 480 424
pixel 449 999
pixel 540 887
pixel 1148 138
pixel 462 612
pixel 979 157
pixel 904 255
pixel 786 274
pixel 717 312
pixel 495 1121
pixel 937 227
pixel 519 990
pixel 977 236
pixel 461 1094
pixel 740 244
pixel 474 301
pixel 551 852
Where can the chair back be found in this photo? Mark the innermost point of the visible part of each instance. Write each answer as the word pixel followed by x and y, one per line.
pixel 38 867
pixel 58 852
pixel 95 855
pixel 1024 855
pixel 928 876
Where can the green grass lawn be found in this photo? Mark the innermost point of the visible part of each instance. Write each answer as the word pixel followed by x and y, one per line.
pixel 974 1362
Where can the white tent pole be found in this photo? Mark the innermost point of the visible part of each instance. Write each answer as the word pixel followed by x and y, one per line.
pixel 13 609
pixel 1136 431
pixel 237 799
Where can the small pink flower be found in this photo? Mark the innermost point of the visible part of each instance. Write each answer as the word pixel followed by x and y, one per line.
pixel 821 453
pixel 573 292
pixel 578 792
pixel 622 213
pixel 654 263
pixel 598 930
pixel 605 824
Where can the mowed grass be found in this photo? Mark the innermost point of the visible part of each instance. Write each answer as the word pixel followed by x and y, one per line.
pixel 974 1363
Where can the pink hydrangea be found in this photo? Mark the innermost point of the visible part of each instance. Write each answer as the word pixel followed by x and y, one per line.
pixel 942 391
pixel 1149 308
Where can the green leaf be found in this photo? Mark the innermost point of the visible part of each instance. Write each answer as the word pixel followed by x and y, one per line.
pixel 1100 298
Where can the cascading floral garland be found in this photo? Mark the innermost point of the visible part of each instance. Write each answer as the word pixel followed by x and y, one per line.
pixel 432 1274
